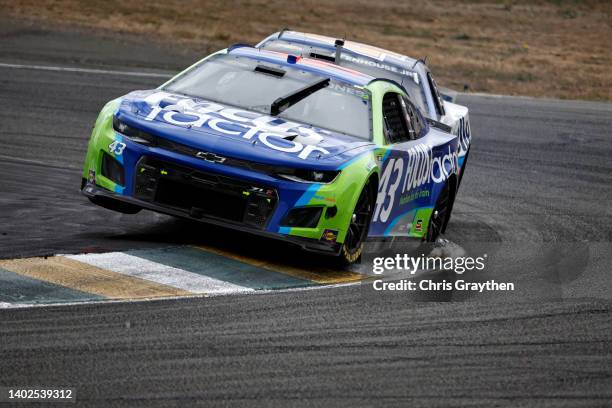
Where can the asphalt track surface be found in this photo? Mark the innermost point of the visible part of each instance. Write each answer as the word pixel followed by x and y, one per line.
pixel 535 199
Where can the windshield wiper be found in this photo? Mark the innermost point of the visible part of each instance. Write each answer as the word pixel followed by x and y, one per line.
pixel 287 101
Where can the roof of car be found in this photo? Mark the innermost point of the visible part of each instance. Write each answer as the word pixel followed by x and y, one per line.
pixel 315 66
pixel 365 50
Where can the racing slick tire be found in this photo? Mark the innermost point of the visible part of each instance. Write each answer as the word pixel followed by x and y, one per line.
pixel 352 248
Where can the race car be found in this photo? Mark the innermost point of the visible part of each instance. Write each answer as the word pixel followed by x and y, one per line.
pixel 412 74
pixel 288 147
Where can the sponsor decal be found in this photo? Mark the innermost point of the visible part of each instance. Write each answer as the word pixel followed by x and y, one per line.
pixel 329 235
pixel 92 177
pixel 415 195
pixel 415 168
pixel 380 65
pixel 422 167
pixel 350 90
pixel 328 199
pixel 255 127
pixel 418 225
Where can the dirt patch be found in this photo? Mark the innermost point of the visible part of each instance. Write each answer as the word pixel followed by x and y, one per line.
pixel 548 48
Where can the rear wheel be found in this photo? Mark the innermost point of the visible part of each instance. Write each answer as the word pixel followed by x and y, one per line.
pixel 440 215
pixel 357 233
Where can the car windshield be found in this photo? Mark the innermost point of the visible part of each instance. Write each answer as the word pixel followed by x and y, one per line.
pixel 407 78
pixel 254 85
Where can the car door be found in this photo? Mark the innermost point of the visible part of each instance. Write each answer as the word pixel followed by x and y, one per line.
pixel 411 169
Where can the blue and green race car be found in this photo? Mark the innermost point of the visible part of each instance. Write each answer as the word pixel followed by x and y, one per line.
pixel 281 145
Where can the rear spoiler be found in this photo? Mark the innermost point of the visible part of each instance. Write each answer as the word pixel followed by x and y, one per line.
pixel 447 94
pixel 439 125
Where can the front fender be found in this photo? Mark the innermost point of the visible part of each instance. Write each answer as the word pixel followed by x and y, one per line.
pixel 339 198
pixel 101 136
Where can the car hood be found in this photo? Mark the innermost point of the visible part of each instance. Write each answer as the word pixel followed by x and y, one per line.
pixel 233 132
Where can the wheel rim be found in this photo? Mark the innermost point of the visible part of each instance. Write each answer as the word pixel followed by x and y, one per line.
pixel 360 220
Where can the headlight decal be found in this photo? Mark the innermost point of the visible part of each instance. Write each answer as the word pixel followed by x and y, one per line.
pixel 133 134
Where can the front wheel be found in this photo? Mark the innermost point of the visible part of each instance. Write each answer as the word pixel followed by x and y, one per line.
pixel 358 227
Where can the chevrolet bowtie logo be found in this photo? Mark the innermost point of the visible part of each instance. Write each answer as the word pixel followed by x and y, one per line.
pixel 210 157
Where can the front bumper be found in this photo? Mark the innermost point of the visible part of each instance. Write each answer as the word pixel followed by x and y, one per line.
pixel 198 194
pixel 95 193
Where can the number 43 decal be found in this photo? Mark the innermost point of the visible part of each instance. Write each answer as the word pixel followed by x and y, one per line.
pixel 116 147
pixel 388 189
